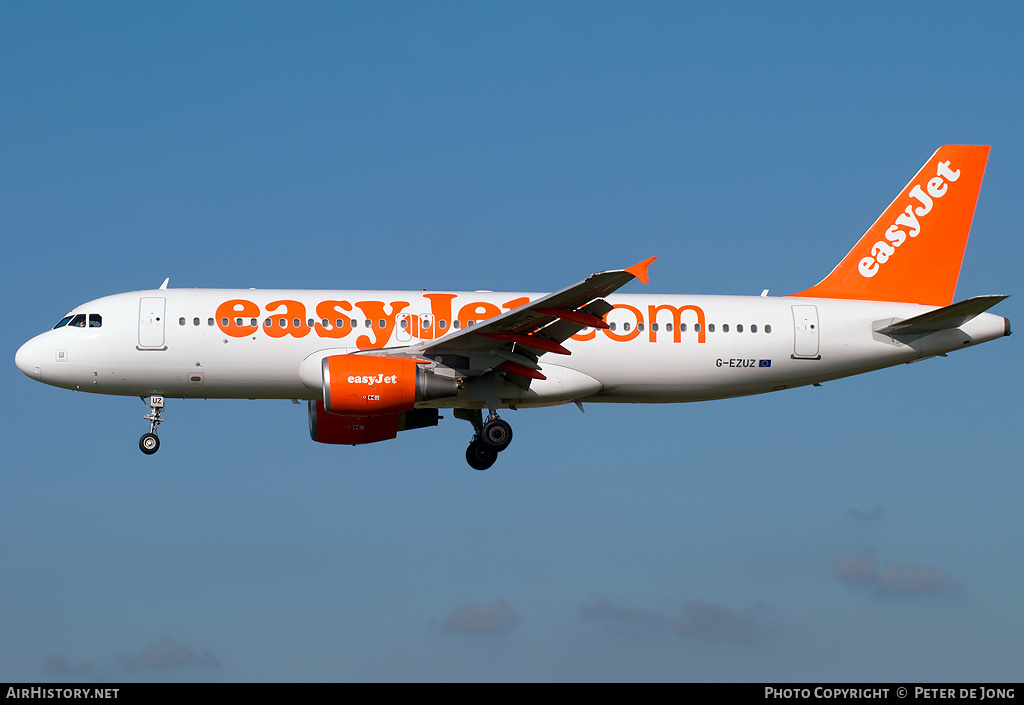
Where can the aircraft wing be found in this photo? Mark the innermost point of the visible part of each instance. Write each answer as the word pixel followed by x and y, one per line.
pixel 513 341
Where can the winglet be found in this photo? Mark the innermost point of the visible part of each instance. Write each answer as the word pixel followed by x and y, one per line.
pixel 639 270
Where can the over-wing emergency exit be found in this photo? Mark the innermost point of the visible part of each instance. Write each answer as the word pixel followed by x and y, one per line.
pixel 374 363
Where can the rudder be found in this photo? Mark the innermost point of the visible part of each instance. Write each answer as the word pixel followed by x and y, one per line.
pixel 914 250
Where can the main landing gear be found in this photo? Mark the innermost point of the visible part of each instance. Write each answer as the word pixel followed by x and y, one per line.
pixel 150 442
pixel 489 439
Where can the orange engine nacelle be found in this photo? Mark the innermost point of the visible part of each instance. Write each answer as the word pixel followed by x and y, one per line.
pixel 350 430
pixel 353 430
pixel 368 386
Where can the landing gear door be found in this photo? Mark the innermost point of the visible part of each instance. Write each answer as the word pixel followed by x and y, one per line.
pixel 805 332
pixel 151 323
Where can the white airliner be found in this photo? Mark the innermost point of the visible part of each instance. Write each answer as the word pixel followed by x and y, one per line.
pixel 374 363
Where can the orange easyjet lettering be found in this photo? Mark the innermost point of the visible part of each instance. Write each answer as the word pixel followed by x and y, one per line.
pixel 292 321
pixel 630 334
pixel 382 323
pixel 677 313
pixel 441 317
pixel 334 320
pixel 230 316
pixel 239 318
pixel 476 312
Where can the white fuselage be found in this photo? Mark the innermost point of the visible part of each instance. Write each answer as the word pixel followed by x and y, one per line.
pixel 659 348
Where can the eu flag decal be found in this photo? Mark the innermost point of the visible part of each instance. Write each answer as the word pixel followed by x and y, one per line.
pixel 764 363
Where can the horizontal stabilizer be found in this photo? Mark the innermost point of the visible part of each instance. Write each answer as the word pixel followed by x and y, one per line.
pixel 952 316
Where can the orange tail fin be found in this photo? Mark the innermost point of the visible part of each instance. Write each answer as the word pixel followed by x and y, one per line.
pixel 914 250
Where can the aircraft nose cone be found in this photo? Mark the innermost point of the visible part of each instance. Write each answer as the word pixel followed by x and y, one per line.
pixel 28 359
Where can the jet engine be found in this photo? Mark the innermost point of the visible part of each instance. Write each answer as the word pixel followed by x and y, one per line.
pixel 354 430
pixel 368 386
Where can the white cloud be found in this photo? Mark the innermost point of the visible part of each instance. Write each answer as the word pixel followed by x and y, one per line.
pixel 707 620
pixel 495 618
pixel 697 619
pixel 872 514
pixel 166 653
pixel 863 569
pixel 57 665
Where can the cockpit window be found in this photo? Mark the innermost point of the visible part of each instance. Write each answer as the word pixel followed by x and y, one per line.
pixel 81 320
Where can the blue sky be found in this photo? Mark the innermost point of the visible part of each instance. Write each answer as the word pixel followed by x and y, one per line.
pixel 868 529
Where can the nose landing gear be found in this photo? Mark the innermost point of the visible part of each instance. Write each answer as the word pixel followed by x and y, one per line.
pixel 150 442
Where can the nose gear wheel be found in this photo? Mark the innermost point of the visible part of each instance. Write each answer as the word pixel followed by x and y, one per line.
pixel 149 443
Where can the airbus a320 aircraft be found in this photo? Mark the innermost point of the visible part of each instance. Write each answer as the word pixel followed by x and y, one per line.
pixel 373 364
